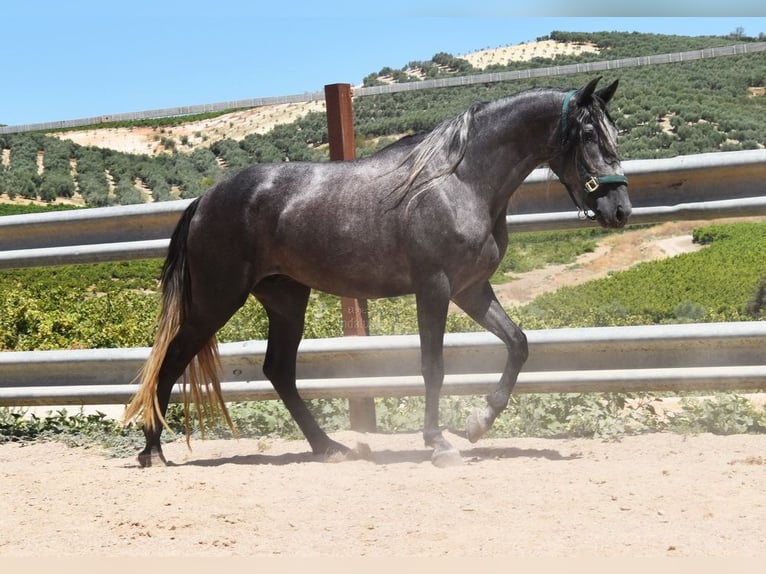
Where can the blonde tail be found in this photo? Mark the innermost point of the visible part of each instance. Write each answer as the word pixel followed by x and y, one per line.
pixel 202 376
pixel 145 401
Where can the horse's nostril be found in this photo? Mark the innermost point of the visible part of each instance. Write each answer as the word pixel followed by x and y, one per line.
pixel 620 214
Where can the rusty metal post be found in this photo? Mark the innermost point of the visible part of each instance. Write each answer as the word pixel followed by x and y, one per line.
pixel 340 127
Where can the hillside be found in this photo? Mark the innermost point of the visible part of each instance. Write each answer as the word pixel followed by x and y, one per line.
pixel 187 137
pixel 237 125
pixel 526 52
pixel 672 109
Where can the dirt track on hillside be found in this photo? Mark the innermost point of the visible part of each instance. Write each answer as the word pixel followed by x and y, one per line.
pixel 615 252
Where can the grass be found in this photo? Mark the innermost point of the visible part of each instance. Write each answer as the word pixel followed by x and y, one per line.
pixel 534 250
pixel 713 284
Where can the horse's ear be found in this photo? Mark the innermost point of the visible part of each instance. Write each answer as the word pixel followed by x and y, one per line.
pixel 607 93
pixel 584 95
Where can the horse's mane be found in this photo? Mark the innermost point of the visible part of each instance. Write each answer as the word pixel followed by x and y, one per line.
pixel 438 154
pixel 450 139
pixel 600 115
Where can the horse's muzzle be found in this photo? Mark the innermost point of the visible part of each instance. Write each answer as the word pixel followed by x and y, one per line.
pixel 613 209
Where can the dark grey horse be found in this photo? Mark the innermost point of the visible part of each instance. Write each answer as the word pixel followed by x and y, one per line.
pixel 426 215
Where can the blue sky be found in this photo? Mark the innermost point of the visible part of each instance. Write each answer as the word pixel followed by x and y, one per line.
pixel 67 60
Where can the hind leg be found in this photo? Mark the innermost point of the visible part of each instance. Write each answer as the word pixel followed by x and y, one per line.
pixel 211 308
pixel 285 302
pixel 185 346
pixel 191 338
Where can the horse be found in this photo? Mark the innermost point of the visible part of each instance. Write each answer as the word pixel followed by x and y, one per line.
pixel 425 215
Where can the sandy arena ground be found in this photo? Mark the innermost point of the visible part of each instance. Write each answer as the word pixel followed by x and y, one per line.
pixel 655 495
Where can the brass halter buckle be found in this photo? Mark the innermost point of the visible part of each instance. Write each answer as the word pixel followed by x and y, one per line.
pixel 592 185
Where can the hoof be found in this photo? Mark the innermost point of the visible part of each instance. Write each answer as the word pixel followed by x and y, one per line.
pixel 152 458
pixel 333 451
pixel 477 425
pixel 361 451
pixel 445 457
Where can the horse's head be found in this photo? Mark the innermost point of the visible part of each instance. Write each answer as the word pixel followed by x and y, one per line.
pixel 588 164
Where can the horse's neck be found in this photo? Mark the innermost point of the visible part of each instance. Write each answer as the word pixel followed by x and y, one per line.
pixel 514 140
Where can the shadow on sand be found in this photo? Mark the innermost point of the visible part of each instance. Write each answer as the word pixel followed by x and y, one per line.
pixel 384 457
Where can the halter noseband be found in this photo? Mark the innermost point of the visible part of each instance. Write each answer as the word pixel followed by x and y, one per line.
pixel 592 181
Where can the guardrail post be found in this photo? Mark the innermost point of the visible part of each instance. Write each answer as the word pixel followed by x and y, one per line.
pixel 340 127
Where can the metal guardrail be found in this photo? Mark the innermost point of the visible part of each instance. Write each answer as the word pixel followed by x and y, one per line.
pixel 701 356
pixel 701 186
pixel 687 179
pixel 668 357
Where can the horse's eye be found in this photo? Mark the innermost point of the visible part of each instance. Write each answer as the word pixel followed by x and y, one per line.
pixel 588 134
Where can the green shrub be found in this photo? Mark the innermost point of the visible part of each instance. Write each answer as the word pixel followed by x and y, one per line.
pixel 724 413
pixel 73 429
pixel 590 415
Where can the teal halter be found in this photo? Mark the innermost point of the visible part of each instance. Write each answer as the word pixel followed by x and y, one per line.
pixel 592 181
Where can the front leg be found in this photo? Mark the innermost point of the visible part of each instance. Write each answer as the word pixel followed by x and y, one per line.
pixel 483 307
pixel 432 306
